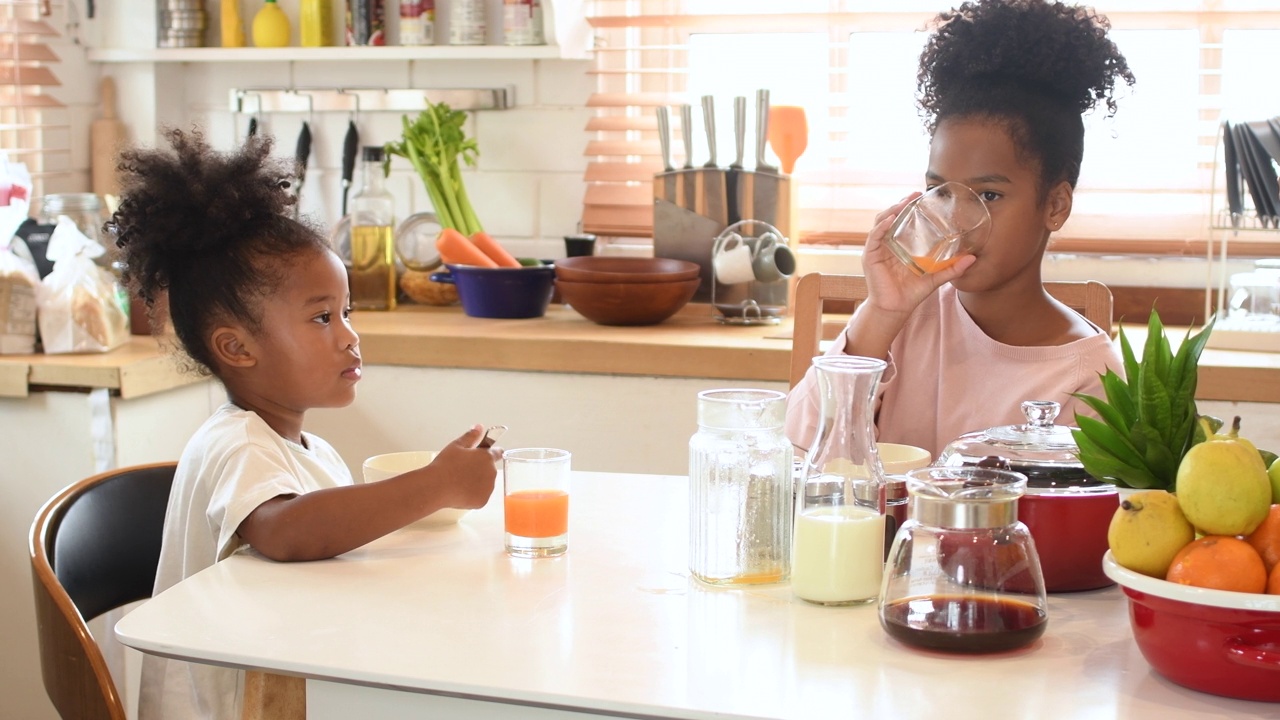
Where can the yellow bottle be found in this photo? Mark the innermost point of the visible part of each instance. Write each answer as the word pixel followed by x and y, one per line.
pixel 317 23
pixel 232 25
pixel 270 26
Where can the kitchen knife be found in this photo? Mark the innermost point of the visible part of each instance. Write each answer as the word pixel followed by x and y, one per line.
pixel 253 125
pixel 762 130
pixel 713 184
pixel 688 174
pixel 734 174
pixel 301 154
pixel 349 146
pixel 665 183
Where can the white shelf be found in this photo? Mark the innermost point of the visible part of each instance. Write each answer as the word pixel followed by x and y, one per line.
pixel 323 54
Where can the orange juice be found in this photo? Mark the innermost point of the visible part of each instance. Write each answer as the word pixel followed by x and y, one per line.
pixel 537 513
pixel 930 266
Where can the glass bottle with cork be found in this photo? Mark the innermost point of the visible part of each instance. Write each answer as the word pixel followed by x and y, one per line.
pixel 373 268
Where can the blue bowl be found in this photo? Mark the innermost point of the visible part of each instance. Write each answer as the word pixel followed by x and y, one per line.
pixel 510 293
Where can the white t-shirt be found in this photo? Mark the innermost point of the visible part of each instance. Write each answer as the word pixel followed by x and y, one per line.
pixel 234 463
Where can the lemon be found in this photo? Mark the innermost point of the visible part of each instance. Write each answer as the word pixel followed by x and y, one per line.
pixel 270 26
pixel 1223 487
pixel 1147 531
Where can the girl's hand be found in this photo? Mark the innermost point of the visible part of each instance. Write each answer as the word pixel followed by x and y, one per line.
pixel 892 287
pixel 469 470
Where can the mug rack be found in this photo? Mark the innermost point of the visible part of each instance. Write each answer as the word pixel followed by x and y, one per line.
pixel 753 302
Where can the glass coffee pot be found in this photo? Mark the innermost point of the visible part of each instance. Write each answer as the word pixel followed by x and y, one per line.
pixel 963 574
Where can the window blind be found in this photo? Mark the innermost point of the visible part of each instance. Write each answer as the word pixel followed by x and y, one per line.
pixel 33 123
pixel 1148 179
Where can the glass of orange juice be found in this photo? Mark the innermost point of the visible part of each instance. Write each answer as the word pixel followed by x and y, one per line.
pixel 935 229
pixel 536 501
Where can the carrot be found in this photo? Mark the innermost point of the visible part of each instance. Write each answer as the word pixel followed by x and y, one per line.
pixel 496 252
pixel 456 249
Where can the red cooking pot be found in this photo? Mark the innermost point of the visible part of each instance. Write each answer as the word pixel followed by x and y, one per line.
pixel 1067 510
pixel 1214 641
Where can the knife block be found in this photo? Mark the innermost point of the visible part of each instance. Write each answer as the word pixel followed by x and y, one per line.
pixel 692 206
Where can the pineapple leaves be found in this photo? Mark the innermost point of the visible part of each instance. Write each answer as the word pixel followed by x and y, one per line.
pixel 1148 422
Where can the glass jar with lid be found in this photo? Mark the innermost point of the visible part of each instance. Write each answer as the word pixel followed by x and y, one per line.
pixel 85 209
pixel 963 574
pixel 1067 510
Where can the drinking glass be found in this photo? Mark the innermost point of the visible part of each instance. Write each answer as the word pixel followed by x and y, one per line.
pixel 536 501
pixel 935 229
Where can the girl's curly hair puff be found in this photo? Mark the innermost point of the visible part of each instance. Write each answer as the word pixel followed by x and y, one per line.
pixel 208 232
pixel 1036 65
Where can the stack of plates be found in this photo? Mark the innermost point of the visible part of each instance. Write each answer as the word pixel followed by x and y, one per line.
pixel 180 23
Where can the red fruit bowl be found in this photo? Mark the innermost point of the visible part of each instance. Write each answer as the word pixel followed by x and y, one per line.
pixel 1214 641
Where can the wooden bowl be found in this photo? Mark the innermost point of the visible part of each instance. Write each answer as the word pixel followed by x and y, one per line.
pixel 602 269
pixel 627 303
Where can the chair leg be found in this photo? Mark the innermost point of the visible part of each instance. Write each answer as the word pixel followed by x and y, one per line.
pixel 273 697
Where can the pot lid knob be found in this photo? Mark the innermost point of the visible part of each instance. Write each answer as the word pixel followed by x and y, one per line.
pixel 1040 413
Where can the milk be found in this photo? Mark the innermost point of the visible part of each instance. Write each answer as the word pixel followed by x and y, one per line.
pixel 838 555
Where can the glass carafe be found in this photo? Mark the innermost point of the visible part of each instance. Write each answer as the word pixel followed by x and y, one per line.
pixel 839 547
pixel 963 574
pixel 740 489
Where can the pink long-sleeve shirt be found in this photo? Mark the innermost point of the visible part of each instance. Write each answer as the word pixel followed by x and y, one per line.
pixel 946 377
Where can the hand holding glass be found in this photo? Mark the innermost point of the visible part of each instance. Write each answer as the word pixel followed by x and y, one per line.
pixel 935 229
pixel 536 501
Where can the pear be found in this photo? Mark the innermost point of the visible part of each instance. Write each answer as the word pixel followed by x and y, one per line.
pixel 1147 531
pixel 1273 473
pixel 1223 486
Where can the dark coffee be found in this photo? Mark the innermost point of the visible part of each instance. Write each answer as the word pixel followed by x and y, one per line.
pixel 956 623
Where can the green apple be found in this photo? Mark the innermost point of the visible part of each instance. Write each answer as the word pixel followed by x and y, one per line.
pixel 1273 474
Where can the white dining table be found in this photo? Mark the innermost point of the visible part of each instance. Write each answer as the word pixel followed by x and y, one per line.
pixel 440 622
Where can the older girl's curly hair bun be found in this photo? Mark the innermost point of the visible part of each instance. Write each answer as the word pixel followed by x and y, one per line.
pixel 205 230
pixel 1025 60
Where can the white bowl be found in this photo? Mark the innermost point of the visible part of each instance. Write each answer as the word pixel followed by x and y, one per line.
pixel 898 459
pixel 389 465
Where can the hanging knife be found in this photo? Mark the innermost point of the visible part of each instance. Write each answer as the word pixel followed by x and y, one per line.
pixel 349 146
pixel 253 125
pixel 302 154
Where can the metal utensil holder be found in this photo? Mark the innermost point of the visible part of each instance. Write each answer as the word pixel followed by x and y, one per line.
pixel 753 302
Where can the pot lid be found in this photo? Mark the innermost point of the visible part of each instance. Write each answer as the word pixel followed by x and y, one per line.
pixel 1038 443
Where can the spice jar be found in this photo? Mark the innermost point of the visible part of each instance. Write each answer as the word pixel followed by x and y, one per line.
pixel 740 489
pixel 963 574
pixel 1067 510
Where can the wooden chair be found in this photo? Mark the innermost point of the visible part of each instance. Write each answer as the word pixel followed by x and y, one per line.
pixel 1089 298
pixel 94 547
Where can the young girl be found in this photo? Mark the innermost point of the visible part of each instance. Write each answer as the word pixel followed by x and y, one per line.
pixel 1003 84
pixel 259 301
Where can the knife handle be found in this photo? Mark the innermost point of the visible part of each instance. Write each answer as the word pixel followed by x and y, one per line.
pixel 762 129
pixel 709 122
pixel 664 136
pixel 739 127
pixel 686 129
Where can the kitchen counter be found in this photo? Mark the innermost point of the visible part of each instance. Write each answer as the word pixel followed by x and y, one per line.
pixel 690 345
pixel 439 622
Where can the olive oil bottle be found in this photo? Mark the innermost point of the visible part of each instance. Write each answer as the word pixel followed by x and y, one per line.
pixel 373 266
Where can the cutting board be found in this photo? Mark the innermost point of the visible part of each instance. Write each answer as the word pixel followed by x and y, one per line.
pixel 106 137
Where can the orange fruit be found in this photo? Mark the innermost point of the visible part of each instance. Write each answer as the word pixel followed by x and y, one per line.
pixel 1273 583
pixel 1221 563
pixel 1266 538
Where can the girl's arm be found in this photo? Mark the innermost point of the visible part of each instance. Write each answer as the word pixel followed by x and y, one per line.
pixel 332 521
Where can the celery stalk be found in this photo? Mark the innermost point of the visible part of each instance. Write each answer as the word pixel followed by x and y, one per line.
pixel 433 144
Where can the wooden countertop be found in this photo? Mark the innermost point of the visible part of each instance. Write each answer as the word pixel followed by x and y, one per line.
pixel 692 344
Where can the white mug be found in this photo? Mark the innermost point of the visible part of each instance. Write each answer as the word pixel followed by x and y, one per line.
pixel 733 261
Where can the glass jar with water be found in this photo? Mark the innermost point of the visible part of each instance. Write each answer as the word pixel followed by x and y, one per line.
pixel 740 489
